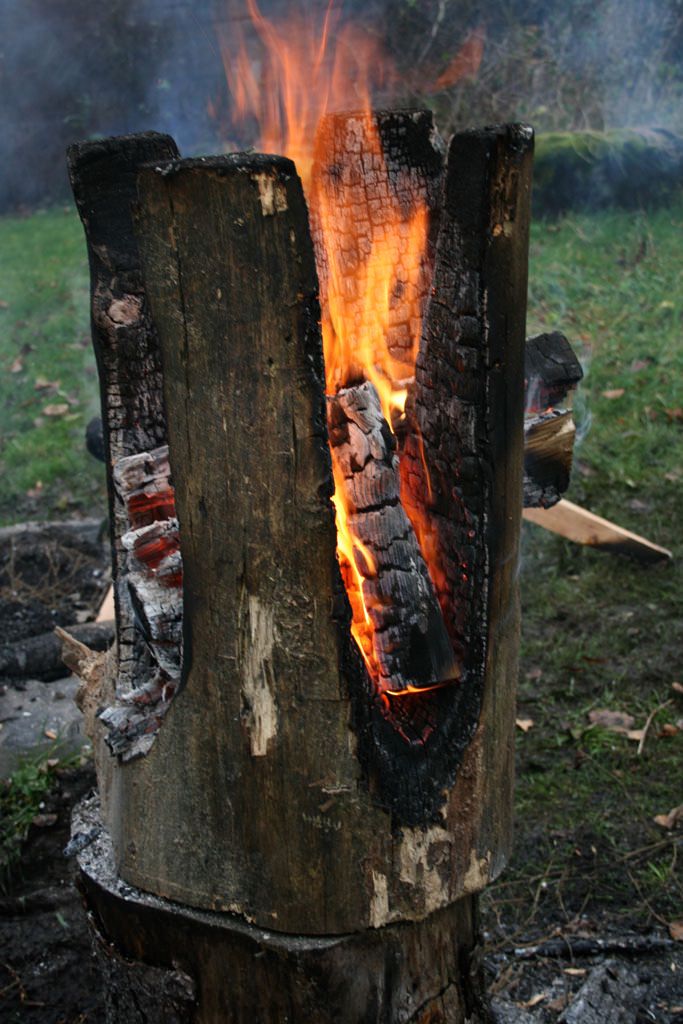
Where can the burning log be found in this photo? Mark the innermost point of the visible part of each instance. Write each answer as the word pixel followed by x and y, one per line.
pixel 281 819
pixel 408 644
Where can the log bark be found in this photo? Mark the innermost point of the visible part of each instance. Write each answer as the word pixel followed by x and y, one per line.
pixel 40 657
pixel 278 800
pixel 429 971
pixel 103 176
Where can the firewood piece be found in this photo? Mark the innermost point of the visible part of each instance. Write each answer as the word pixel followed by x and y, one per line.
pixel 584 527
pixel 409 646
pixel 551 370
pixel 40 657
pixel 548 455
pixel 103 176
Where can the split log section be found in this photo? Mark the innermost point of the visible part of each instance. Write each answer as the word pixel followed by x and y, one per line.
pixel 299 834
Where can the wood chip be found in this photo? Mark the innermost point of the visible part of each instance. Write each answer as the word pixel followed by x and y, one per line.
pixel 58 409
pixel 524 723
pixel 676 930
pixel 50 734
pixel 671 819
pixel 613 393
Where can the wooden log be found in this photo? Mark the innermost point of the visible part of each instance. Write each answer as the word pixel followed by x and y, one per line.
pixel 278 803
pixel 223 970
pixel 103 176
pixel 461 459
pixel 551 371
pixel 583 527
pixel 406 641
pixel 40 657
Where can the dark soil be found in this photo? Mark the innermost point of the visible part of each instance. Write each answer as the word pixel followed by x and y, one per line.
pixel 47 975
pixel 55 577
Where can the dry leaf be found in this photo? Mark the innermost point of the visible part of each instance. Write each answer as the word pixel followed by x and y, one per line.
pixel 671 819
pixel 44 820
pixel 674 415
pixel 640 364
pixel 674 476
pixel 677 688
pixel 42 383
pixel 635 734
pixel 668 729
pixel 534 673
pixel 50 734
pixel 535 1000
pixel 36 490
pixel 615 721
pixel 613 393
pixel 575 972
pixel 524 723
pixel 56 410
pixel 3 304
pixel 17 366
pixel 676 930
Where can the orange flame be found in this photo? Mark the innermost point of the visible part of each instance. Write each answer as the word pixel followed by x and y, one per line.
pixel 371 258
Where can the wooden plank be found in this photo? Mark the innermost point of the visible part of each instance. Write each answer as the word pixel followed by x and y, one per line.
pixel 583 527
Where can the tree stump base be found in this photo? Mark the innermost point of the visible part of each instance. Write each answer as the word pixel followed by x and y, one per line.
pixel 166 962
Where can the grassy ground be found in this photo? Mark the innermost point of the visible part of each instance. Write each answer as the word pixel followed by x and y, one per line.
pixel 48 388
pixel 599 631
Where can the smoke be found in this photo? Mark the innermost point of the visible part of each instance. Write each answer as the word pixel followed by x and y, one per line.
pixel 71 69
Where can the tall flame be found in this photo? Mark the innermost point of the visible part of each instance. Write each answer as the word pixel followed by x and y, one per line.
pixel 372 267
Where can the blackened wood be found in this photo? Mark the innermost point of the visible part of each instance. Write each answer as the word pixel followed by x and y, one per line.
pixel 408 645
pixel 103 177
pixel 40 657
pixel 551 370
pixel 428 971
pixel 461 468
pixel 371 170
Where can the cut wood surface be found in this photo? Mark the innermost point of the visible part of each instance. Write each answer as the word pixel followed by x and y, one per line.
pixel 584 527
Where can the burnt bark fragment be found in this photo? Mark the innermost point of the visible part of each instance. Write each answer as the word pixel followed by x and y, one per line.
pixel 551 370
pixel 103 176
pixel 408 645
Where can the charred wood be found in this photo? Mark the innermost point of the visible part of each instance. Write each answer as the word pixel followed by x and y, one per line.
pixel 103 176
pixel 551 371
pixel 408 645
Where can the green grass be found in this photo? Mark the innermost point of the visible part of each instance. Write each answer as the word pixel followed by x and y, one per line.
pixel 44 334
pixel 22 797
pixel 602 630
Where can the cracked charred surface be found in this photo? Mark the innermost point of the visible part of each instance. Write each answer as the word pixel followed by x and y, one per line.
pixel 408 645
pixel 103 177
